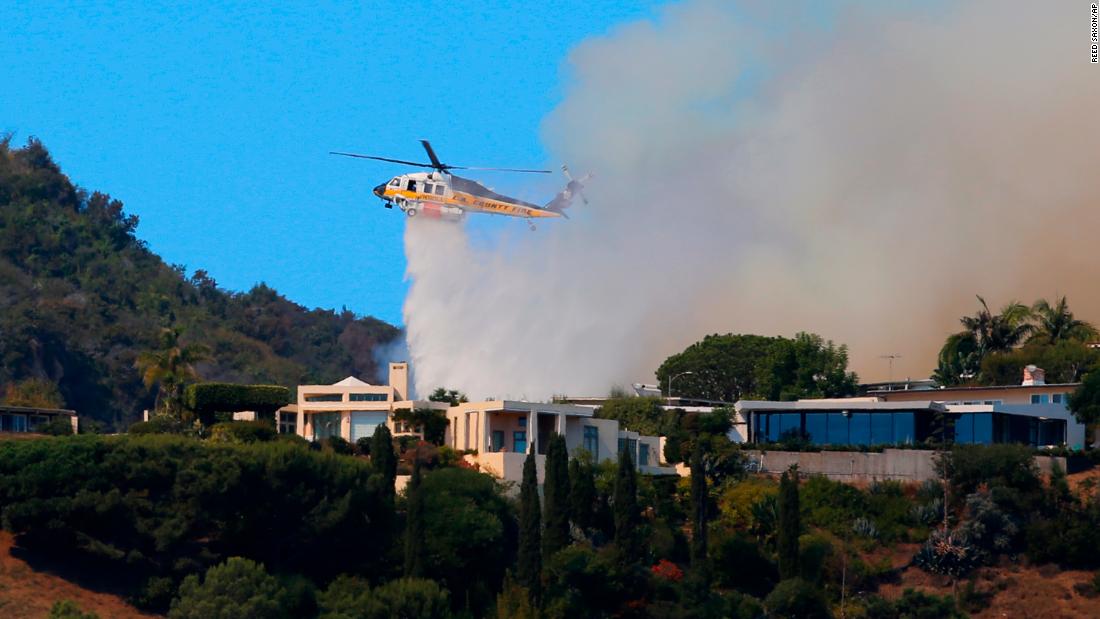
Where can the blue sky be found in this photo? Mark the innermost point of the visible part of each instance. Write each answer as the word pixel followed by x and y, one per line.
pixel 212 122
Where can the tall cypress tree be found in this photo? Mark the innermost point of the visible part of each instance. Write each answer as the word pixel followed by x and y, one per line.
pixel 699 500
pixel 582 494
pixel 790 525
pixel 529 568
pixel 555 498
pixel 384 459
pixel 625 508
pixel 414 525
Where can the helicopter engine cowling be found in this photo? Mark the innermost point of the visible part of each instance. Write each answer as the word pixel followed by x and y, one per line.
pixel 434 210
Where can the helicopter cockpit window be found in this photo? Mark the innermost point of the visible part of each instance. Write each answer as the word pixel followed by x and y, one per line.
pixel 395 182
pixel 411 186
pixel 439 190
pixel 427 187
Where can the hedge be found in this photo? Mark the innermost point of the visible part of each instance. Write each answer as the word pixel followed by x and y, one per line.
pixel 205 399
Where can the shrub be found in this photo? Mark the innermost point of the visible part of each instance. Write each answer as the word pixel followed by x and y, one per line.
pixel 348 597
pixel 236 588
pixel 796 599
pixel 166 506
pixel 67 609
pixel 362 446
pixel 735 504
pixel 206 399
pixel 57 426
pixel 739 563
pixel 158 424
pixel 337 445
pixel 912 605
pixel 813 552
pixel 242 432
pixel 950 553
pixel 1008 470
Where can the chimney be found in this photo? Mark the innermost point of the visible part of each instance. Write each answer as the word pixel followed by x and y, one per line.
pixel 399 380
pixel 1034 375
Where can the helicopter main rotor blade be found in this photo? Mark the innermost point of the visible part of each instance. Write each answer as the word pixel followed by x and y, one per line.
pixel 436 163
pixel 456 167
pixel 357 156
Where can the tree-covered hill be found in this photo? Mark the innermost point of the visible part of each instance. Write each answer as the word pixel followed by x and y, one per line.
pixel 81 297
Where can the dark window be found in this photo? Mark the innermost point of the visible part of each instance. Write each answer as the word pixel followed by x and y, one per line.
pixel 497 441
pixel 838 429
pixel 817 427
pixel 983 428
pixel 519 442
pixel 411 186
pixel 428 187
pixel 859 429
pixel 643 455
pixel 592 442
pixel 368 397
pixel 964 429
pixel 904 430
pixel 882 428
pixel 439 190
pixel 288 423
pixel 327 397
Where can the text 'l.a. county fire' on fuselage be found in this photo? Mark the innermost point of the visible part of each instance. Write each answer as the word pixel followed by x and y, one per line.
pixel 441 195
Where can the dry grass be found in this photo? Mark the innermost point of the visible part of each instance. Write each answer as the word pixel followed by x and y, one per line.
pixel 26 593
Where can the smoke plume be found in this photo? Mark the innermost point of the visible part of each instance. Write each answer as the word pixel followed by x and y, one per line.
pixel 861 174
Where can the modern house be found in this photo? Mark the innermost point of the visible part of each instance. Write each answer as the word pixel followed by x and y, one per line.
pixel 503 432
pixel 351 409
pixel 27 419
pixel 1032 413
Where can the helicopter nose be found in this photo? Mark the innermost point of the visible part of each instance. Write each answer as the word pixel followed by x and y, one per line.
pixel 379 190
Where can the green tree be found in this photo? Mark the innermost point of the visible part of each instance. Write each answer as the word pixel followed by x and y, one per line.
pixel 237 588
pixel 807 366
pixel 984 333
pixel 795 598
pixel 555 535
pixel 429 422
pixel 34 392
pixel 700 520
pixel 529 562
pixel 790 525
pixel 582 494
pixel 451 396
pixel 722 367
pixel 348 597
pixel 641 414
pixel 384 459
pixel 958 360
pixel 1056 323
pixel 170 368
pixel 1084 402
pixel 414 525
pixel 67 609
pixel 626 513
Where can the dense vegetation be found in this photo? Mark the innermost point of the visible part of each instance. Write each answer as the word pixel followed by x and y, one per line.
pixel 81 298
pixel 994 347
pixel 727 368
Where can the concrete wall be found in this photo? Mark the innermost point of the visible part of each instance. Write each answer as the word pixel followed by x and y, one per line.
pixel 853 466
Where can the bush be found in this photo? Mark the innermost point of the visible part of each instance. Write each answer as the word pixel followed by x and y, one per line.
pixel 1008 470
pixel 813 552
pixel 57 426
pixel 797 599
pixel 912 605
pixel 158 424
pixel 243 432
pixel 739 563
pixel 348 597
pixel 206 399
pixel 337 445
pixel 67 609
pixel 362 446
pixel 236 588
pixel 166 506
pixel 735 504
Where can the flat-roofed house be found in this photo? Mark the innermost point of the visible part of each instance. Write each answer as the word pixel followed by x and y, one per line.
pixel 352 409
pixel 502 432
pixel 27 419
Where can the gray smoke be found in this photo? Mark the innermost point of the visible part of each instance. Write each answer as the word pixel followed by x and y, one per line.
pixel 759 172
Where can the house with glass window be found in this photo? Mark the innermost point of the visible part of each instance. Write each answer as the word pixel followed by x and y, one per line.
pixel 352 409
pixel 503 432
pixel 27 419
pixel 874 421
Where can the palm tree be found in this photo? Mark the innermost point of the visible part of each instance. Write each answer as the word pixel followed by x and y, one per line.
pixel 170 368
pixel 1056 323
pixel 999 332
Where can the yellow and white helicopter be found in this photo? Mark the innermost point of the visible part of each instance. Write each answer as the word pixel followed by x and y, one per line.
pixel 441 195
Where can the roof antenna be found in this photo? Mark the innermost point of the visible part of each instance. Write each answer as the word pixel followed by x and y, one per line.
pixel 890 359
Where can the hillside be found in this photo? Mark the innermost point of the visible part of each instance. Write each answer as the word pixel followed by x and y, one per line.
pixel 81 296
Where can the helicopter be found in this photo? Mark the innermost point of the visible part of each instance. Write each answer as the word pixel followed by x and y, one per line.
pixel 439 194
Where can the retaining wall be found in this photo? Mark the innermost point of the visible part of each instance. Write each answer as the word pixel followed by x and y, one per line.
pixel 897 464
